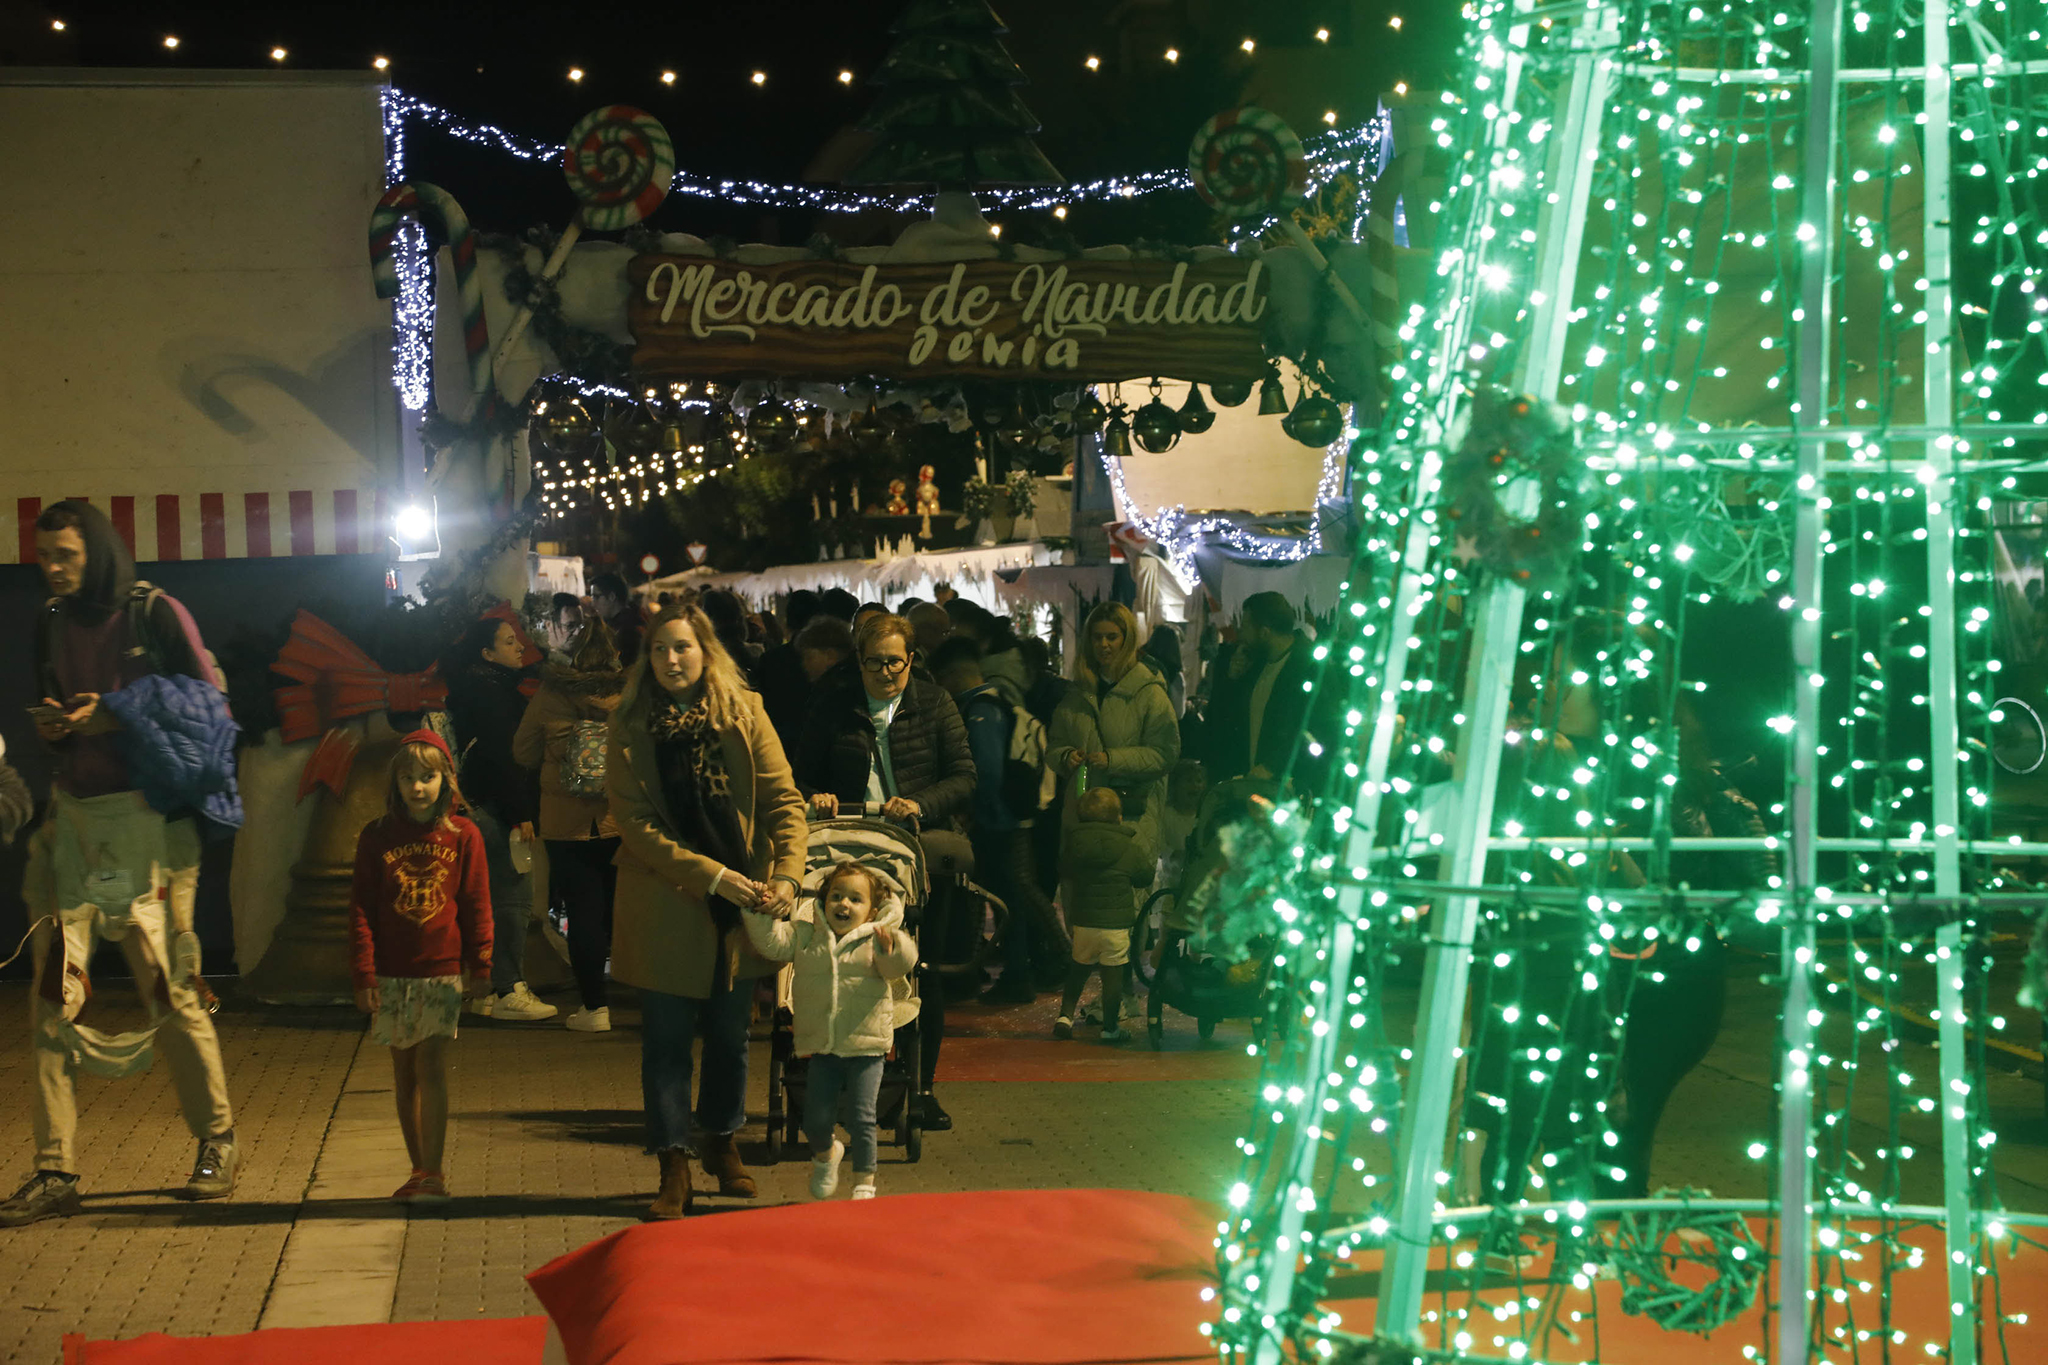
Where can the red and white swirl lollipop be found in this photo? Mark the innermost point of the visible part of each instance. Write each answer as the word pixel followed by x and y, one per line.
pixel 1248 163
pixel 619 162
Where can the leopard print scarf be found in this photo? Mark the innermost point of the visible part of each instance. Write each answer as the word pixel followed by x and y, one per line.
pixel 689 755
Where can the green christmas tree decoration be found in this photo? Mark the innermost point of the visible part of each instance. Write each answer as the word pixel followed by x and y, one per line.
pixel 950 114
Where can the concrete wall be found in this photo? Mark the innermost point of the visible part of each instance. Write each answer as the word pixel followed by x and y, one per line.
pixel 185 298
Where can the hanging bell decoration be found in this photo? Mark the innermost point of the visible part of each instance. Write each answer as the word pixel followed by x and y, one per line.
pixel 1272 398
pixel 567 429
pixel 674 443
pixel 1315 421
pixel 1089 414
pixel 1230 392
pixel 1196 416
pixel 1155 427
pixel 637 432
pixel 771 424
pixel 1116 436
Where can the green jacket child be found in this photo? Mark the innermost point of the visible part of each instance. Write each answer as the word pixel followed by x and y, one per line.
pixel 1105 862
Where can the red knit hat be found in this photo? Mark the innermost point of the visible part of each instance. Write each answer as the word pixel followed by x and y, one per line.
pixel 424 736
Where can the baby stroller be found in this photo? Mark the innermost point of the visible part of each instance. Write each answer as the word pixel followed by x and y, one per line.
pixel 1195 983
pixel 897 856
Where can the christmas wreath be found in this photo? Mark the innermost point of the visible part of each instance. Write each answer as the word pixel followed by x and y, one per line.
pixel 1649 1250
pixel 1510 438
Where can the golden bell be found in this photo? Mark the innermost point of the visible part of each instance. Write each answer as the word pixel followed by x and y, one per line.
pixel 1272 398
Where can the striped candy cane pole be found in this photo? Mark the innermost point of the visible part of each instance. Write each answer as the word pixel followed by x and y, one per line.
pixel 437 209
pixel 1386 279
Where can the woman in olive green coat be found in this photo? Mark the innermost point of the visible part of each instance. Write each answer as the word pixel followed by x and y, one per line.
pixel 710 826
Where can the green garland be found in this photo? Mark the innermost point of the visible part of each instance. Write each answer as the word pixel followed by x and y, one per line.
pixel 1742 556
pixel 1512 437
pixel 1644 1255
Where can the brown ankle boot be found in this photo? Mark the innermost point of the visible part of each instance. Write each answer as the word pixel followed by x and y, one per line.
pixel 722 1163
pixel 674 1199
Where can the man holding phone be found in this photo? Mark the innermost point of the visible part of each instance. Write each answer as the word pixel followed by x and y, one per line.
pixel 103 846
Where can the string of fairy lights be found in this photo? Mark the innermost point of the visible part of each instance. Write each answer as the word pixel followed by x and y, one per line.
pixel 1346 151
pixel 575 73
pixel 1679 354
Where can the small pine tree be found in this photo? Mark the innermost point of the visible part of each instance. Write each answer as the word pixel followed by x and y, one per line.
pixel 950 114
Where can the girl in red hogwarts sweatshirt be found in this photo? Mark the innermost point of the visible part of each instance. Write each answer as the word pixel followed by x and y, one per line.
pixel 421 916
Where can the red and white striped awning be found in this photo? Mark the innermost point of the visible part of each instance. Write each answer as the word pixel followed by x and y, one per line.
pixel 160 526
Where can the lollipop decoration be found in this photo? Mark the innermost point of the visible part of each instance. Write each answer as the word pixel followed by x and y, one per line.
pixel 437 209
pixel 619 162
pixel 1248 163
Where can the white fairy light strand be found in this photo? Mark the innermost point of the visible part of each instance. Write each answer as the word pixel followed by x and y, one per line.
pixel 1181 536
pixel 1329 154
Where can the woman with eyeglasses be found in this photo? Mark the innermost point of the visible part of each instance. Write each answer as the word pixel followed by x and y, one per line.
pixel 878 733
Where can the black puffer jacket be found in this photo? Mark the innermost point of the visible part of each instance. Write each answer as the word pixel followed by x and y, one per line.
pixel 486 706
pixel 927 746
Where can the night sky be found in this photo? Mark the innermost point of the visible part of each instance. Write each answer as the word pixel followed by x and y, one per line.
pixel 509 63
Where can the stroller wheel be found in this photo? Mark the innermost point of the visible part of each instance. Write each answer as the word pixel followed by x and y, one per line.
pixel 1205 1029
pixel 913 1142
pixel 1155 1031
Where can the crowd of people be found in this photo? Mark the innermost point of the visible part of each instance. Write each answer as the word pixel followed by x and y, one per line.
pixel 671 755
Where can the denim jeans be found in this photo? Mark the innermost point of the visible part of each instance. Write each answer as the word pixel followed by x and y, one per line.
pixel 582 879
pixel 669 1023
pixel 843 1088
pixel 511 901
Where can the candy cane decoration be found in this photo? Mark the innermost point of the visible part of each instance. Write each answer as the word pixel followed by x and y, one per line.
pixel 620 163
pixel 438 211
pixel 1386 280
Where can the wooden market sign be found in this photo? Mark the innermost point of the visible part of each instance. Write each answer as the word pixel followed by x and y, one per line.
pixel 696 317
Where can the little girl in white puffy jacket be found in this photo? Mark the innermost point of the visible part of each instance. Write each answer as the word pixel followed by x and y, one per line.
pixel 848 945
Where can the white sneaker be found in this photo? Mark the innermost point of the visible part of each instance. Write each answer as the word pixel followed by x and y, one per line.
pixel 481 1003
pixel 521 1004
pixel 598 1020
pixel 825 1171
pixel 863 1184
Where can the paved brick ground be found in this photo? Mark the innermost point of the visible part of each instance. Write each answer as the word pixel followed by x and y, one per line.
pixel 544 1154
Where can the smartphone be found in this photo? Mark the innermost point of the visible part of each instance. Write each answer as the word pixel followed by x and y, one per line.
pixel 43 712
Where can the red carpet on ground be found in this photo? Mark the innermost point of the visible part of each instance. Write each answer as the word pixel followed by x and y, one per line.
pixel 1006 1277
pixel 1022 1277
pixel 480 1341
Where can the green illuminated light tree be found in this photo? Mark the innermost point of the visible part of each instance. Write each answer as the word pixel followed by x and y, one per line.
pixel 950 114
pixel 1784 269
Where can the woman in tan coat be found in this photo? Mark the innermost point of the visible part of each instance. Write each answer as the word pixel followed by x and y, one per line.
pixel 710 826
pixel 564 734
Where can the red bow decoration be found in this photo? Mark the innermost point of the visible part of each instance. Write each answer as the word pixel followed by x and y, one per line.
pixel 330 764
pixel 335 680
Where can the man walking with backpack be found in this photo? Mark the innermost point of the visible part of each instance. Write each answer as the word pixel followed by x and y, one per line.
pixel 120 668
pixel 1012 786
